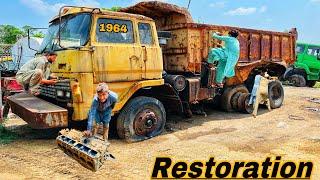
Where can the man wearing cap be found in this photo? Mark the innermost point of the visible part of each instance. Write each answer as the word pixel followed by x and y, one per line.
pixel 227 56
pixel 36 72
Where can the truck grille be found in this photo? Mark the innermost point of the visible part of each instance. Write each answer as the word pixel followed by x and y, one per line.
pixel 61 91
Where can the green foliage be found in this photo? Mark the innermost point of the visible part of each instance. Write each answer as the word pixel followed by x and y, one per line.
pixel 6 136
pixel 115 8
pixel 317 85
pixel 9 34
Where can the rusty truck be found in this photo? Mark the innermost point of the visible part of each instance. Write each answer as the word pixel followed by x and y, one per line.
pixel 154 57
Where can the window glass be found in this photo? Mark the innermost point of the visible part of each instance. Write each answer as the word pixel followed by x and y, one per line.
pixel 114 31
pixel 313 51
pixel 300 49
pixel 145 33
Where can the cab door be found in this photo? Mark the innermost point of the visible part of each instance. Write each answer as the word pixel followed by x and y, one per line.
pixel 151 51
pixel 311 58
pixel 117 55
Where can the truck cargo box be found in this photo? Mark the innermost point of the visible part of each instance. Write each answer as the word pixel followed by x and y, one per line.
pixel 190 42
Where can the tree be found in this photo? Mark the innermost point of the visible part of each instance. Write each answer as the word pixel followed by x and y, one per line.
pixel 9 34
pixel 114 8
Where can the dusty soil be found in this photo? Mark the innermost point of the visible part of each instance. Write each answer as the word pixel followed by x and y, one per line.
pixel 291 131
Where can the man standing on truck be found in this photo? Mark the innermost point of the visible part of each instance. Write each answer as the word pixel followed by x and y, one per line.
pixel 227 57
pixel 100 112
pixel 36 72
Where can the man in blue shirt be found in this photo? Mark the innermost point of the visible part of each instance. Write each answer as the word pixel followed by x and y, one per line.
pixel 100 111
pixel 227 56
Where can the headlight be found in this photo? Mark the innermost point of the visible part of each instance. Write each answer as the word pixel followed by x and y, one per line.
pixel 68 94
pixel 60 93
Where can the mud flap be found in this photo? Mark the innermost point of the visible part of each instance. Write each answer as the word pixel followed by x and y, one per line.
pixel 89 152
pixel 38 113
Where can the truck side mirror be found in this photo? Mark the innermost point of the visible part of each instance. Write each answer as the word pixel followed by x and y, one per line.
pixel 29 36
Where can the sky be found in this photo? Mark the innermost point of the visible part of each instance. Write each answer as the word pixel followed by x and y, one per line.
pixel 275 15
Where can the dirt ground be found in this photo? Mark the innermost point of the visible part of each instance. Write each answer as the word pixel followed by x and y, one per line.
pixel 291 131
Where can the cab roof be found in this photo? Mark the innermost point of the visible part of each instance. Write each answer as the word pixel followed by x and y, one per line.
pixel 75 10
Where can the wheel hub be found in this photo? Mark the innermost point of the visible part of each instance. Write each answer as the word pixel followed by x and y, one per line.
pixel 145 122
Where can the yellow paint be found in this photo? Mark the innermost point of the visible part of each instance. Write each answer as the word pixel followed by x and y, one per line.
pixel 126 68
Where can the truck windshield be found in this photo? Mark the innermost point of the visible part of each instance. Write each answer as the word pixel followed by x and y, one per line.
pixel 74 32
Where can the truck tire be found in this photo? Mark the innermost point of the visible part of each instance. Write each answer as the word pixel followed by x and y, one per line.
pixel 248 108
pixel 311 83
pixel 297 80
pixel 276 94
pixel 228 93
pixel 142 118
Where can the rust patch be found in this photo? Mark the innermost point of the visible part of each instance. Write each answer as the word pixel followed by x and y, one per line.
pixel 159 11
pixel 39 114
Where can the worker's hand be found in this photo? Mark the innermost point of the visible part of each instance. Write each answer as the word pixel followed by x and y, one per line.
pixel 51 81
pixel 87 133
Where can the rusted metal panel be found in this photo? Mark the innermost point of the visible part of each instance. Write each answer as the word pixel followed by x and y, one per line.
pixel 195 93
pixel 39 114
pixel 159 11
pixel 262 47
pixel 193 89
pixel 206 93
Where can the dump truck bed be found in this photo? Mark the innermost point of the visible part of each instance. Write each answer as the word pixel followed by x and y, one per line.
pixel 190 42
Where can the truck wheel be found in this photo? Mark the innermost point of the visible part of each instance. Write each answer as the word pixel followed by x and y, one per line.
pixel 297 80
pixel 276 94
pixel 311 83
pixel 142 118
pixel 228 93
pixel 248 108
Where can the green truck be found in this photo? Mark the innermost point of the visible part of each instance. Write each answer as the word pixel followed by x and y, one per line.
pixel 306 70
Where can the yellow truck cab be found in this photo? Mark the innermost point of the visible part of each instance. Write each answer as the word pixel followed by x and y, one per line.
pixel 93 46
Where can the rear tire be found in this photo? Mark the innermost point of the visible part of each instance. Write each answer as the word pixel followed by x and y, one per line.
pixel 228 93
pixel 298 80
pixel 276 94
pixel 142 118
pixel 311 83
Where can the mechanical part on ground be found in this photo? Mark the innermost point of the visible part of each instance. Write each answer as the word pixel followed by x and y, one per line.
pixel 89 152
pixel 276 94
pixel 228 97
pixel 142 118
pixel 39 114
pixel 176 81
pixel 311 83
pixel 297 80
